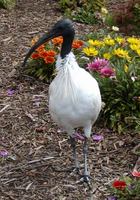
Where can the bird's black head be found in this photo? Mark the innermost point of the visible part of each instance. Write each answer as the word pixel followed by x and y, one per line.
pixel 62 28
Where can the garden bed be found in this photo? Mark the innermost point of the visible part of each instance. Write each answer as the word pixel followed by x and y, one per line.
pixel 37 149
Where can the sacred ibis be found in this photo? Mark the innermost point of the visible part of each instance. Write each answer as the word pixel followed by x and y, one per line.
pixel 74 95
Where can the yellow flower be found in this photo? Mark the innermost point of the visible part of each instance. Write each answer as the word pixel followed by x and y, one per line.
pixel 133 40
pixel 138 51
pixel 97 43
pixel 90 51
pixel 107 56
pixel 120 40
pixel 133 47
pixel 126 68
pixel 121 53
pixel 136 48
pixel 109 41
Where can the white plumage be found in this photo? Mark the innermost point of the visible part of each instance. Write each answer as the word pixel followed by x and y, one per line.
pixel 74 96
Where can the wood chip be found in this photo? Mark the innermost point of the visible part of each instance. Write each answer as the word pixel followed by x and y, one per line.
pixel 30 116
pixel 28 186
pixel 4 108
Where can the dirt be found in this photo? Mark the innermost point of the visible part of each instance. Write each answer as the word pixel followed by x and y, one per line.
pixel 37 149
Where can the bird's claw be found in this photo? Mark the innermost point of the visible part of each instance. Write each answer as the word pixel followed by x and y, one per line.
pixel 85 179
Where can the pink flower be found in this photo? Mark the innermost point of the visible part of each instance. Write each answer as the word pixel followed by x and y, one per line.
pixel 97 138
pixel 107 71
pixel 79 136
pixel 10 92
pixel 98 64
pixel 3 153
pixel 136 173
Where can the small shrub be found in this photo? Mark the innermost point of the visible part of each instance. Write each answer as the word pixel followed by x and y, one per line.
pixel 84 11
pixel 126 16
pixel 42 63
pixel 114 61
pixel 8 4
pixel 136 12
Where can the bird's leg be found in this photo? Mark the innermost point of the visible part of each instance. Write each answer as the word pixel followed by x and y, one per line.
pixel 73 145
pixel 72 142
pixel 86 175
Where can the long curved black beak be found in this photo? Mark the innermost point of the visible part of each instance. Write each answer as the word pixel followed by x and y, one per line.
pixel 42 40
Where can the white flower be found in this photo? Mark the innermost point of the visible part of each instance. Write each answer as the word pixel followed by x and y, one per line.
pixel 115 28
pixel 133 78
pixel 104 10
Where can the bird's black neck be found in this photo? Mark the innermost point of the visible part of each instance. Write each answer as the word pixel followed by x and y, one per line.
pixel 67 45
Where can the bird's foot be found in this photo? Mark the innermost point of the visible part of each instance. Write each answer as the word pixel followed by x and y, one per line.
pixel 79 136
pixel 85 178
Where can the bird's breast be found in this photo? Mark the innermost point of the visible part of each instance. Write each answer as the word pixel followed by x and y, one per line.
pixel 74 97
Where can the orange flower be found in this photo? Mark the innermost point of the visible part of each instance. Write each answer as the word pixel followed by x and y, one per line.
pixel 77 44
pixel 35 56
pixel 57 40
pixel 43 54
pixel 51 53
pixel 49 60
pixel 41 48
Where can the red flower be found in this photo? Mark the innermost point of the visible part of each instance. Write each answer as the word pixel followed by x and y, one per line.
pixel 35 56
pixel 120 185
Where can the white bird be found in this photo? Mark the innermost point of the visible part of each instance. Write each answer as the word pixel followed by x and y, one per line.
pixel 74 95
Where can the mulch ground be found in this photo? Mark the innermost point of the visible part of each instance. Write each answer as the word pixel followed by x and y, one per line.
pixel 38 151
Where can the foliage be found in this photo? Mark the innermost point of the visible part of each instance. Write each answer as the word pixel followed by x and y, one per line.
pixel 126 188
pixel 126 16
pixel 83 10
pixel 120 91
pixel 136 12
pixel 114 61
pixel 8 4
pixel 42 64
